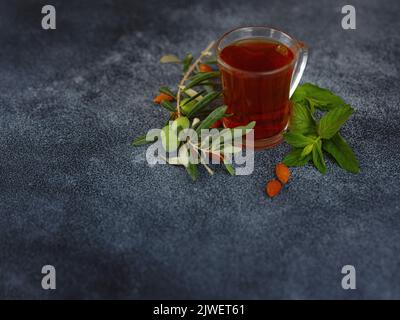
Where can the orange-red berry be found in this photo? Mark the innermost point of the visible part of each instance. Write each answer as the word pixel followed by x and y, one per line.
pixel 273 187
pixel 161 97
pixel 282 172
pixel 205 68
pixel 217 124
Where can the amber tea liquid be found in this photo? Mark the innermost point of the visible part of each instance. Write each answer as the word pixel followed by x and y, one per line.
pixel 256 85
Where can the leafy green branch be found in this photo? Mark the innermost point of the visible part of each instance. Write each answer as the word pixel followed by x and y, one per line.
pixel 193 107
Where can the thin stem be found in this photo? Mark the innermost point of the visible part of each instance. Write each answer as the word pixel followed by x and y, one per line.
pixel 210 171
pixel 203 161
pixel 188 73
pixel 202 153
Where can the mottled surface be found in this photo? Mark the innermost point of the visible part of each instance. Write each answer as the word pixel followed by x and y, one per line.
pixel 75 194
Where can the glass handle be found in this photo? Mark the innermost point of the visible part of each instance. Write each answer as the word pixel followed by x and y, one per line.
pixel 299 67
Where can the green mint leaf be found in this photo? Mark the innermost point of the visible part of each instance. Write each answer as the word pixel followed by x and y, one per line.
pixel 299 94
pixel 312 105
pixel 338 148
pixel 318 157
pixel 331 121
pixel 307 150
pixel 301 120
pixel 294 158
pixel 318 97
pixel 297 140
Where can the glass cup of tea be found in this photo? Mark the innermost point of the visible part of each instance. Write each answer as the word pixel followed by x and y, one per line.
pixel 260 69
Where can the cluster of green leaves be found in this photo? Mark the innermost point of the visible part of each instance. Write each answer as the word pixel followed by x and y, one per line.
pixel 311 136
pixel 197 110
pixel 203 147
pixel 197 96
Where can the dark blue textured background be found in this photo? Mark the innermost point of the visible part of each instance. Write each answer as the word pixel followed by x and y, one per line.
pixel 75 194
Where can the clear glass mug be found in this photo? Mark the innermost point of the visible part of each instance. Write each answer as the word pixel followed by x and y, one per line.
pixel 261 96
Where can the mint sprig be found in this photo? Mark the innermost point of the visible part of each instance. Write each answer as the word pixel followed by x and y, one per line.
pixel 310 136
pixel 338 148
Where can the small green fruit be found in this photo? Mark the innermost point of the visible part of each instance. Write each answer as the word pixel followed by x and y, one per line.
pixel 180 124
pixel 169 139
